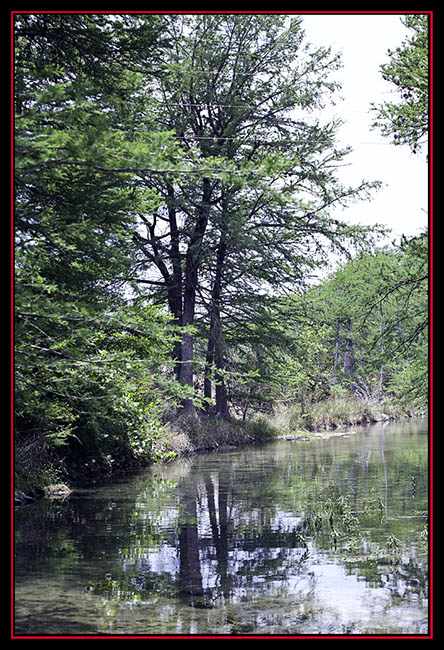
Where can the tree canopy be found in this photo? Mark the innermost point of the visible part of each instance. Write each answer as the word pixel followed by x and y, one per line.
pixel 406 121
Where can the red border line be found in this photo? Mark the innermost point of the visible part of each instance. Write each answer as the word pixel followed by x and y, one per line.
pixel 12 321
pixel 431 233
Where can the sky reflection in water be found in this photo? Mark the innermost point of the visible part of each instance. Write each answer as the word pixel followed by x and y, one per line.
pixel 320 537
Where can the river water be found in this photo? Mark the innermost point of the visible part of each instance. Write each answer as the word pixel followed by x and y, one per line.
pixel 320 537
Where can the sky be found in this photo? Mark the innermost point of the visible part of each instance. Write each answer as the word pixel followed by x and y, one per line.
pixel 401 204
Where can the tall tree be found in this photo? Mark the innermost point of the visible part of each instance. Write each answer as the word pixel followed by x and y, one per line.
pixel 88 363
pixel 374 313
pixel 407 122
pixel 240 90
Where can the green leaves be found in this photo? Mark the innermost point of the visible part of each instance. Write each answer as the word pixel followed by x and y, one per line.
pixel 375 309
pixel 175 153
pixel 86 357
pixel 406 120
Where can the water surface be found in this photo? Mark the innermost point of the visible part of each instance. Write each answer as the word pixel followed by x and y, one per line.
pixel 283 538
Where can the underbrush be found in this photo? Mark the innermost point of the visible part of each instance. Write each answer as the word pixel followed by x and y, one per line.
pixel 187 435
pixel 35 467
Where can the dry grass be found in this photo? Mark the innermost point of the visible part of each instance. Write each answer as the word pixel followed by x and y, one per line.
pixel 333 413
pixel 189 435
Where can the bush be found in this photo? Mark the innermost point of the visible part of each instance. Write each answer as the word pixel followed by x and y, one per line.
pixel 36 465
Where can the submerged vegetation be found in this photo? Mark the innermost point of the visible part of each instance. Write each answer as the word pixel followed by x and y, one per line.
pixel 174 193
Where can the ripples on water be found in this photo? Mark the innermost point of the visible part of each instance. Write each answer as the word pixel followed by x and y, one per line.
pixel 317 537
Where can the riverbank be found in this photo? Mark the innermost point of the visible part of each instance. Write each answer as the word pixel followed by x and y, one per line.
pixel 323 419
pixel 337 412
pixel 186 436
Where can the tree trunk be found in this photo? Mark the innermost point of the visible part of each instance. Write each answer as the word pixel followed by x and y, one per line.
pixel 215 356
pixel 175 284
pixel 222 410
pixel 381 369
pixel 349 357
pixel 336 357
pixel 209 360
pixel 215 342
pixel 192 261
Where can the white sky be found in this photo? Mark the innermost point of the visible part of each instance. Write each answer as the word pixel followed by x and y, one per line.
pixel 363 40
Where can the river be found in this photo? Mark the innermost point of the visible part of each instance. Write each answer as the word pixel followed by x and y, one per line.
pixel 319 537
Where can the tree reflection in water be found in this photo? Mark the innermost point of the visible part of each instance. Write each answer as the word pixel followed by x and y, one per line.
pixel 282 538
pixel 236 550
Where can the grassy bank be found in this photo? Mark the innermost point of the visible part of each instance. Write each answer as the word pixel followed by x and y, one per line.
pixel 187 436
pixel 40 473
pixel 336 412
pixel 191 435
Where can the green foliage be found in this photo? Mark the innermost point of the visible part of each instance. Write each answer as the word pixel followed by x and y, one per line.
pixel 346 348
pixel 237 95
pixel 376 311
pixel 91 361
pixel 175 153
pixel 406 121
